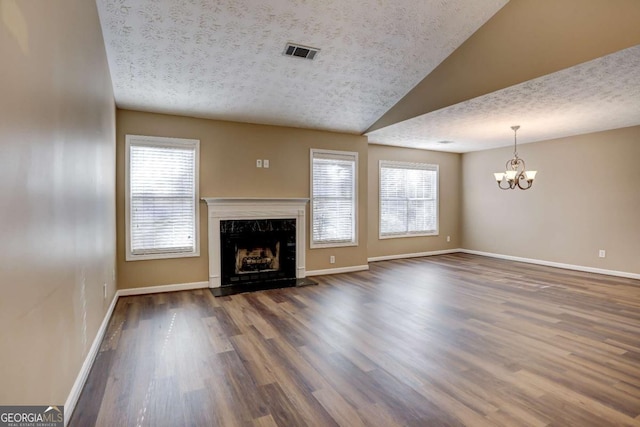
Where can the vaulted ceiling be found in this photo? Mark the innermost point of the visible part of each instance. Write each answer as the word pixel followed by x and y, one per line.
pixel 408 73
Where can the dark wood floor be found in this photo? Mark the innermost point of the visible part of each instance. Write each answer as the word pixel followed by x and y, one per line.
pixel 440 341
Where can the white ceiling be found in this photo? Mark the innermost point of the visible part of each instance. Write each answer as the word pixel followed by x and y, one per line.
pixel 223 58
pixel 597 95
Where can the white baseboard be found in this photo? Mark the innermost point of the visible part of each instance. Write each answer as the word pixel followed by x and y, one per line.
pixel 338 270
pixel 162 288
pixel 556 264
pixel 413 255
pixel 78 385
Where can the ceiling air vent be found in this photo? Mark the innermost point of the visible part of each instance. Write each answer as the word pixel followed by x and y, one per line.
pixel 300 51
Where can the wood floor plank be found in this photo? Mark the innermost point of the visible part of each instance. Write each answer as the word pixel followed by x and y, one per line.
pixel 450 340
pixel 197 410
pixel 378 414
pixel 357 395
pixel 266 421
pixel 217 338
pixel 342 412
pixel 588 406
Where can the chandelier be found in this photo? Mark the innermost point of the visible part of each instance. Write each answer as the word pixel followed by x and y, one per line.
pixel 515 174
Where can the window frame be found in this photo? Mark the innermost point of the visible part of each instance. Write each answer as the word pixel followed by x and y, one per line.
pixel 411 166
pixel 334 244
pixel 157 141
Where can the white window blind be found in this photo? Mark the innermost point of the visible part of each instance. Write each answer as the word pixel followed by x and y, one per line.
pixel 408 199
pixel 333 198
pixel 162 208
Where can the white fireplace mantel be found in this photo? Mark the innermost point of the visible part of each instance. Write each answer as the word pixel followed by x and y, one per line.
pixel 221 208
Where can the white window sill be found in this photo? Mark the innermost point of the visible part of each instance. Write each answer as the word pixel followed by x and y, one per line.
pixel 332 245
pixel 403 236
pixel 131 257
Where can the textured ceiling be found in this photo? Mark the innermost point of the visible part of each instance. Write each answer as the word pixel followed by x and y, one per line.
pixel 594 96
pixel 223 59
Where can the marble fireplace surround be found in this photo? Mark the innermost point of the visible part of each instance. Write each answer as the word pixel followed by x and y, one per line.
pixel 221 208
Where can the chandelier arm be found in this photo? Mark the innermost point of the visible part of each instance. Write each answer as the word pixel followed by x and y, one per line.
pixel 528 181
pixel 508 187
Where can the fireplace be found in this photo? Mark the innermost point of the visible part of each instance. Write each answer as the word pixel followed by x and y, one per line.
pixel 257 250
pixel 255 240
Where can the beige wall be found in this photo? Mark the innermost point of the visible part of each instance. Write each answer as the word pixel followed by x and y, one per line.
pixel 523 40
pixel 473 211
pixel 450 199
pixel 228 153
pixel 57 174
pixel 585 198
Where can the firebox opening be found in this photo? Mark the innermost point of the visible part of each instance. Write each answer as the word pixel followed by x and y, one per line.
pixel 257 258
pixel 257 250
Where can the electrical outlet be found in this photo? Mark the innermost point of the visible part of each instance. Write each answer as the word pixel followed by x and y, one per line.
pixel 332 259
pixel 448 238
pixel 602 253
pixel 259 163
pixel 265 163
pixel 104 290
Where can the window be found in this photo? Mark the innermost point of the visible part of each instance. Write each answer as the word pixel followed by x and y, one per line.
pixel 162 197
pixel 408 199
pixel 333 198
